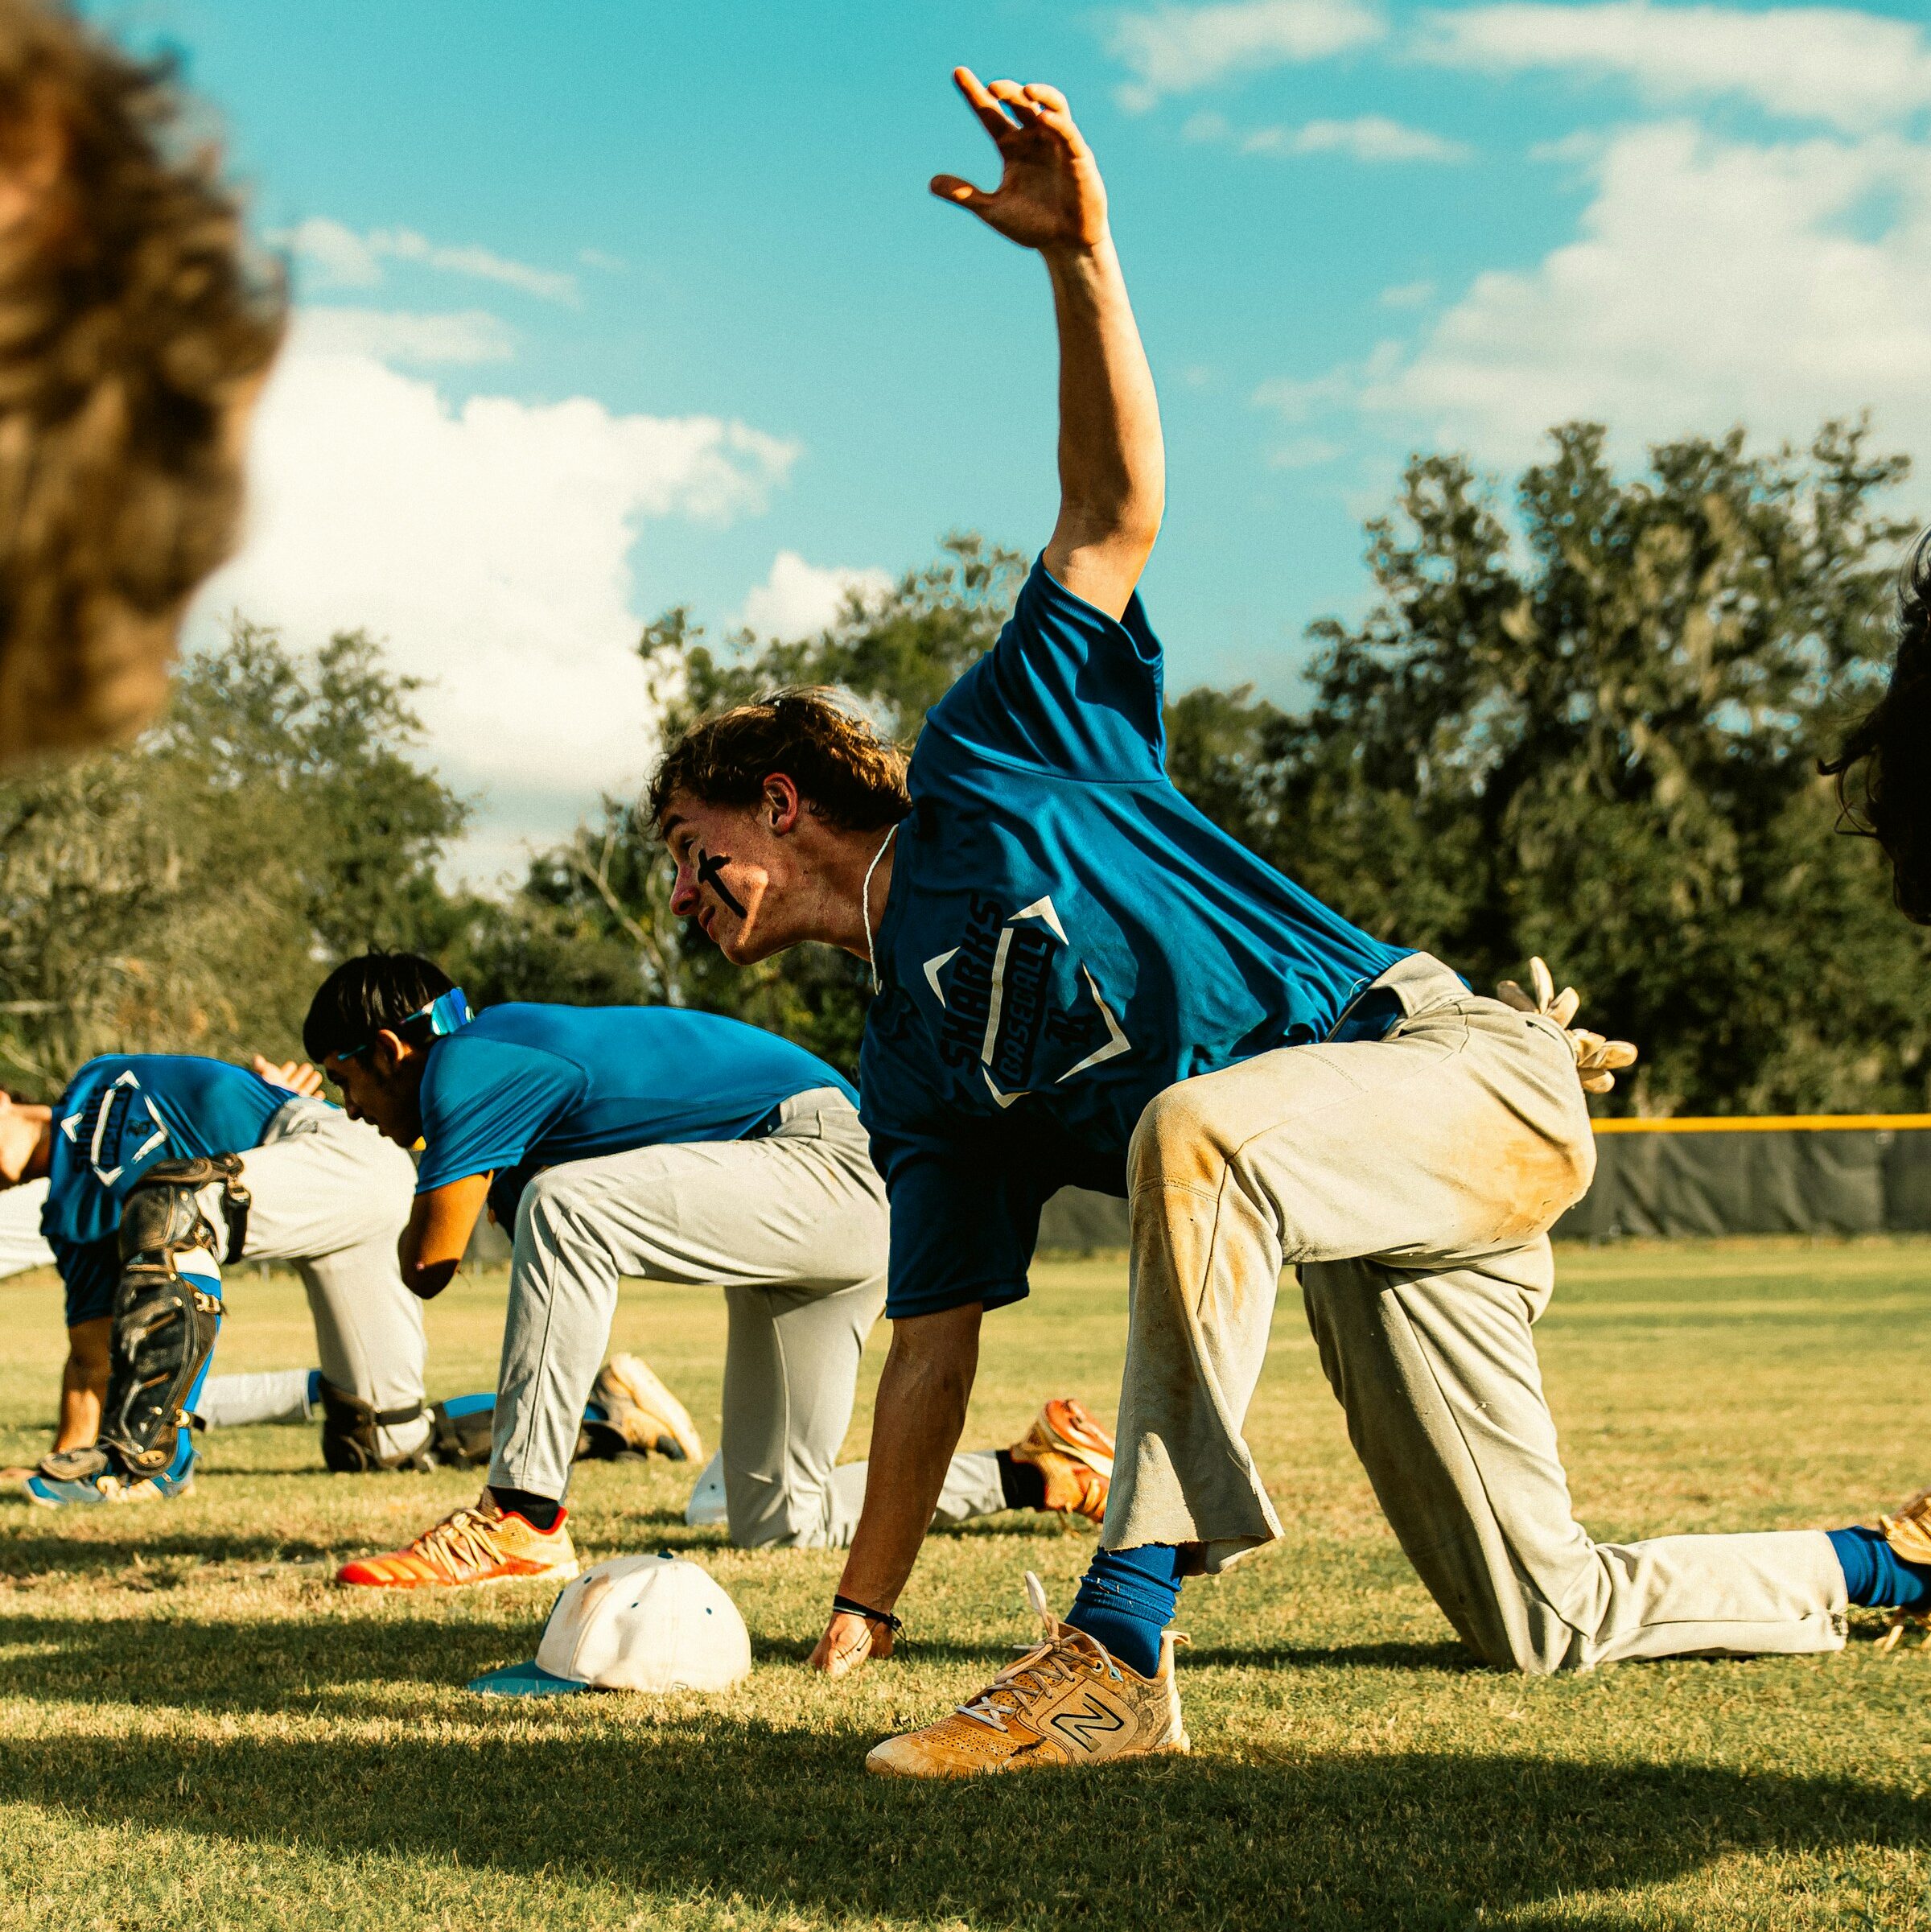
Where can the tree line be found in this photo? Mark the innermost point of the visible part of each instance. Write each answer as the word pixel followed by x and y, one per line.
pixel 1581 720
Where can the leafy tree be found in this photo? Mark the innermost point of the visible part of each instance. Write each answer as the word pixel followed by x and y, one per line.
pixel 1595 737
pixel 186 896
pixel 592 919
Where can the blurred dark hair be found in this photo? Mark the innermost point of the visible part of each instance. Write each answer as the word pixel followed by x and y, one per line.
pixel 1882 768
pixel 366 996
pixel 839 764
pixel 134 328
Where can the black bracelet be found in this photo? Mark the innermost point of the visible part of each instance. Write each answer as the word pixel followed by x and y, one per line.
pixel 852 1608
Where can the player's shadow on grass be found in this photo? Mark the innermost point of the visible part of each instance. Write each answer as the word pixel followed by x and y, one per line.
pixel 203 1664
pixel 26 1554
pixel 698 1804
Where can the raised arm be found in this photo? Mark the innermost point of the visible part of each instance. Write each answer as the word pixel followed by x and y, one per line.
pixel 1113 465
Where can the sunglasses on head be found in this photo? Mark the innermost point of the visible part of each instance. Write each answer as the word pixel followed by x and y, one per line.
pixel 442 1015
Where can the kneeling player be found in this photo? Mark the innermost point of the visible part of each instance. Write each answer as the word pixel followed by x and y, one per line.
pixel 1166 1016
pixel 673 1145
pixel 160 1168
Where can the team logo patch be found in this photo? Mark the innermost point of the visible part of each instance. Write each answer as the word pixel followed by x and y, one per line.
pixel 996 989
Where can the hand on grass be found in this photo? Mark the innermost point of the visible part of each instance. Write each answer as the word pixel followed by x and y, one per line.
pixel 1050 195
pixel 849 1643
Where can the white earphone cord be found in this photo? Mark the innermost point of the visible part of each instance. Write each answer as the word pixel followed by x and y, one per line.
pixel 871 958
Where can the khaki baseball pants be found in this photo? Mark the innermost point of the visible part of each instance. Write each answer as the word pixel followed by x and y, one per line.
pixel 1410 1182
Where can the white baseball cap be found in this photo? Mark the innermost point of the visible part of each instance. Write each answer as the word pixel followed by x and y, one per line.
pixel 635 1623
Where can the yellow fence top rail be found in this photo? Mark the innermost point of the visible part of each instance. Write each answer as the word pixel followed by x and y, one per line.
pixel 1767 1123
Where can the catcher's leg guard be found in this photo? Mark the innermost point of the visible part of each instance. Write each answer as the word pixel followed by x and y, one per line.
pixel 463 1427
pixel 167 1312
pixel 350 1442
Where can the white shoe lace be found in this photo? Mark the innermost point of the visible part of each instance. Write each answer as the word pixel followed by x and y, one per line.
pixel 1060 1659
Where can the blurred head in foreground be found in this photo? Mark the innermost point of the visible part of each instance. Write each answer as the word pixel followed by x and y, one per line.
pixel 134 336
pixel 1884 767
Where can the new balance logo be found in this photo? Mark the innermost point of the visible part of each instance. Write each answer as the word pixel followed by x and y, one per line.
pixel 1079 1728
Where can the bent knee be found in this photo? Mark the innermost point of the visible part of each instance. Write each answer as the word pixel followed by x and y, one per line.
pixel 553 1196
pixel 769 1512
pixel 1176 1143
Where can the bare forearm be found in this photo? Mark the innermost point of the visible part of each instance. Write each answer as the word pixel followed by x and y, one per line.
pixel 915 1427
pixel 1112 466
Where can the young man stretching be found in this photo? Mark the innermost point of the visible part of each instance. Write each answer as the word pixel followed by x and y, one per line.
pixel 159 1168
pixel 674 1145
pixel 1082 981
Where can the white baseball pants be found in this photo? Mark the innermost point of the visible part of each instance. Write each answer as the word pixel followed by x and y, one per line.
pixel 793 1228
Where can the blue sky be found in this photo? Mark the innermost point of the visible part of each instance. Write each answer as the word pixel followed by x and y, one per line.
pixel 606 306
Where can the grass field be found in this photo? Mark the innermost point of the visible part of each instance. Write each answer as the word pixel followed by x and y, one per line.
pixel 197 1730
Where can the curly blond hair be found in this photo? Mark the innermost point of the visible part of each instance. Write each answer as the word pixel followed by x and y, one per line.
pixel 841 767
pixel 135 329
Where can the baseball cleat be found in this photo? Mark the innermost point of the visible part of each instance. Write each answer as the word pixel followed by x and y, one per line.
pixel 479 1545
pixel 641 1412
pixel 1066 1701
pixel 89 1492
pixel 1908 1534
pixel 1069 1426
pixel 1073 1455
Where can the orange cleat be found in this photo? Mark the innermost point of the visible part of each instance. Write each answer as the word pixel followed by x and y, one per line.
pixel 1067 1425
pixel 479 1545
pixel 1073 1454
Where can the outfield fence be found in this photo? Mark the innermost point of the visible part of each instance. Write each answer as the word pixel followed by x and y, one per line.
pixel 1762 1174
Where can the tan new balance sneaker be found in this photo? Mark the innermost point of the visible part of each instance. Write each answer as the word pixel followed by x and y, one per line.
pixel 1066 1702
pixel 643 1412
pixel 480 1545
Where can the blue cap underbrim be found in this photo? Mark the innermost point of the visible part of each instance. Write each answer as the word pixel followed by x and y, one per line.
pixel 526 1680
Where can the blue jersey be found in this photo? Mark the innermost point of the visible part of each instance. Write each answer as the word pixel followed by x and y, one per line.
pixel 120 1115
pixel 523 1087
pixel 1066 936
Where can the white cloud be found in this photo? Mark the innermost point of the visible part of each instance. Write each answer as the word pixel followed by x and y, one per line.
pixel 1837 64
pixel 1713 282
pixel 484 265
pixel 1179 50
pixel 799 599
pixel 488 544
pixel 336 257
pixel 1367 138
pixel 468 336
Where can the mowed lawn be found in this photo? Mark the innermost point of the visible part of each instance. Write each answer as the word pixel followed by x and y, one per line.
pixel 197 1730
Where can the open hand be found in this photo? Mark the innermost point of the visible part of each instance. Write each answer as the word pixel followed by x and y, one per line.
pixel 849 1643
pixel 297 1076
pixel 1050 195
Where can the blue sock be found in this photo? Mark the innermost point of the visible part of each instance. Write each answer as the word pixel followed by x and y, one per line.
pixel 1875 1575
pixel 1126 1600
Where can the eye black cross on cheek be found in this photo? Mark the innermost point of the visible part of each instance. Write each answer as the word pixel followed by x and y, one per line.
pixel 710 870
